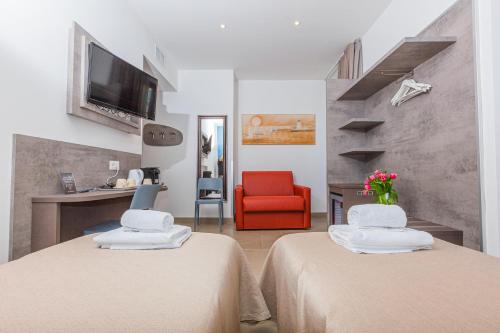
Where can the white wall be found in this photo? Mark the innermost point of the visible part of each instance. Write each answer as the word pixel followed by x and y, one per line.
pixel 402 18
pixel 34 39
pixel 487 38
pixel 200 92
pixel 495 14
pixel 308 162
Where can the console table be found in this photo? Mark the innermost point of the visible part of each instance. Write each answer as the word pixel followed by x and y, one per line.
pixel 60 217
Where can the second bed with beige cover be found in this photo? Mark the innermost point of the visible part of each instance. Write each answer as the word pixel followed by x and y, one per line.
pixel 313 285
pixel 204 286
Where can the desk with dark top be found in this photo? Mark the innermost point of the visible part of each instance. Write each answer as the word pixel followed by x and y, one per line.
pixel 352 195
pixel 60 217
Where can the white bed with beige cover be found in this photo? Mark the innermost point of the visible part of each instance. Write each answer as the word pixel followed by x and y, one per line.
pixel 313 285
pixel 204 286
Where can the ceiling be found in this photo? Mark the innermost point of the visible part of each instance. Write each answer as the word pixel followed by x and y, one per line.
pixel 260 40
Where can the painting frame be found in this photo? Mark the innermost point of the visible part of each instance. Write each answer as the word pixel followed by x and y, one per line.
pixel 278 129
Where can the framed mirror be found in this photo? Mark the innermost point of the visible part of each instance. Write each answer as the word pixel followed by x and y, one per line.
pixel 212 148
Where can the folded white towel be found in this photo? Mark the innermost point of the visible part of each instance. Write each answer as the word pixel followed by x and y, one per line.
pixel 146 220
pixel 374 215
pixel 380 240
pixel 120 239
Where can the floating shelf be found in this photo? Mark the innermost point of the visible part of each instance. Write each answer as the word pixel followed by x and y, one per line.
pixel 363 154
pixel 363 124
pixel 400 61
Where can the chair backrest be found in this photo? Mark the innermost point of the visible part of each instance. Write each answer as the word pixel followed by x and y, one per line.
pixel 256 183
pixel 145 196
pixel 211 184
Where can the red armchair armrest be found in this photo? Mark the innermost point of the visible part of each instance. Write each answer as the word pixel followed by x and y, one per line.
pixel 305 192
pixel 238 204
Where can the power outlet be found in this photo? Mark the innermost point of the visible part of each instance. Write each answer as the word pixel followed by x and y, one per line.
pixel 114 165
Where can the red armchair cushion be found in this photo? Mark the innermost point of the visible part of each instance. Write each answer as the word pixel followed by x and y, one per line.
pixel 267 183
pixel 278 203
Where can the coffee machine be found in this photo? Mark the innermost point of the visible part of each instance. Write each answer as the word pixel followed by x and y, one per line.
pixel 153 174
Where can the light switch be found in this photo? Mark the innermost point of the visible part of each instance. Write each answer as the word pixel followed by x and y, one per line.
pixel 114 165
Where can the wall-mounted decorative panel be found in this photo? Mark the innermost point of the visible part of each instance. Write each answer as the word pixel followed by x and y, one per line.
pixel 77 104
pixel 161 135
pixel 37 164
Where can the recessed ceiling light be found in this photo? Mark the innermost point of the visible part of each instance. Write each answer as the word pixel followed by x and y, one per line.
pixel 296 23
pixel 222 26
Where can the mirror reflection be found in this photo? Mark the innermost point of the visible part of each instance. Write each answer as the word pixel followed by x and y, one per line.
pixel 212 150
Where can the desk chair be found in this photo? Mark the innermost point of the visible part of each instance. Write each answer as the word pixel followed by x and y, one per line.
pixel 144 198
pixel 209 184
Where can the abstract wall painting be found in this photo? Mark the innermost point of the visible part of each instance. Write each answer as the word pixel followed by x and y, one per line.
pixel 278 129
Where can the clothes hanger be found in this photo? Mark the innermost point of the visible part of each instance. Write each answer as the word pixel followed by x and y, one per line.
pixel 409 89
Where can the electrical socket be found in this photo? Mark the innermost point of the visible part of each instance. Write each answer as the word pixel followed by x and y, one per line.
pixel 114 165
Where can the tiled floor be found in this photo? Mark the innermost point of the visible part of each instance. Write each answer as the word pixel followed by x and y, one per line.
pixel 255 243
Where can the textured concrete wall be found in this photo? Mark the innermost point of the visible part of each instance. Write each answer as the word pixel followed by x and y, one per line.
pixel 342 169
pixel 431 140
pixel 36 168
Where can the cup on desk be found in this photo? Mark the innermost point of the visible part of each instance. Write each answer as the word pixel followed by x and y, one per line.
pixel 131 182
pixel 147 181
pixel 121 183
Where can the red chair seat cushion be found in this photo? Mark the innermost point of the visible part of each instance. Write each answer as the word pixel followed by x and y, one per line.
pixel 267 183
pixel 291 203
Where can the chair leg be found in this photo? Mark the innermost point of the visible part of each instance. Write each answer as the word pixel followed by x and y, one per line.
pixel 196 216
pixel 220 217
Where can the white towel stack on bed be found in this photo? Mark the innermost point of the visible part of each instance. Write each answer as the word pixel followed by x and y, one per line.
pixel 146 220
pixel 374 215
pixel 379 229
pixel 144 230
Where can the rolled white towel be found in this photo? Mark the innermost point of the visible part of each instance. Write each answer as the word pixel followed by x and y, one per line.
pixel 375 215
pixel 120 239
pixel 380 240
pixel 146 220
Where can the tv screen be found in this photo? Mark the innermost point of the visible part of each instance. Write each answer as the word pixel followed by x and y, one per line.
pixel 114 83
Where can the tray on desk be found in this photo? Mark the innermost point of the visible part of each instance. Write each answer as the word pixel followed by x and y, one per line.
pixel 118 189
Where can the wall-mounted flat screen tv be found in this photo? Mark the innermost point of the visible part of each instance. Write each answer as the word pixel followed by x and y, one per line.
pixel 116 84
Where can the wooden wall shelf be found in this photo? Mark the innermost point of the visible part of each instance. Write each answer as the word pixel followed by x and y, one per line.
pixel 362 124
pixel 400 61
pixel 363 154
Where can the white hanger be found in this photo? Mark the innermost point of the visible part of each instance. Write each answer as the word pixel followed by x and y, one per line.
pixel 409 89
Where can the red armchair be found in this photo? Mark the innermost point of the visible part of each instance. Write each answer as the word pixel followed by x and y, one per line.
pixel 270 200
